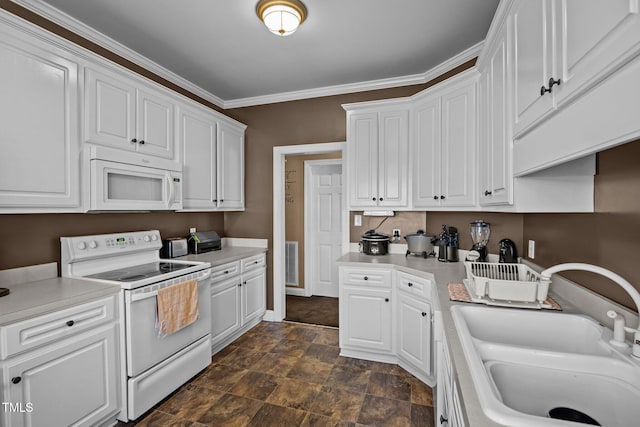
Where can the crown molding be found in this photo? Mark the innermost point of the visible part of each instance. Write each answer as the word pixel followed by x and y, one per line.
pixel 413 79
pixel 58 17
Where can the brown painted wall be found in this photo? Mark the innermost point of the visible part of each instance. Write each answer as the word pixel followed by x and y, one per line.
pixel 610 237
pixel 35 238
pixel 294 203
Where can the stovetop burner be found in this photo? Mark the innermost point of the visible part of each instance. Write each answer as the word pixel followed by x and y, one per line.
pixel 140 272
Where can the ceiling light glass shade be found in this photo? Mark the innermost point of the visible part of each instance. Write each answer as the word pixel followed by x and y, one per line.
pixel 282 17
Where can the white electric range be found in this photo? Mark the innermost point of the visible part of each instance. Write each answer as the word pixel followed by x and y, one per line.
pixel 153 366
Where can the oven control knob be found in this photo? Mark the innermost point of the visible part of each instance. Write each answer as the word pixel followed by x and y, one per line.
pixel 82 246
pixel 93 244
pixel 154 237
pixel 146 238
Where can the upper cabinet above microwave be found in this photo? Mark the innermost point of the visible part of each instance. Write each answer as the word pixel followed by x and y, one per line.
pixel 124 113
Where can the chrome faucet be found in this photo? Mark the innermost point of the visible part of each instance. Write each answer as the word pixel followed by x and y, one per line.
pixel 545 280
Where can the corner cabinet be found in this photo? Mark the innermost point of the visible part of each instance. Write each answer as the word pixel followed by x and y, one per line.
pixel 39 135
pixel 62 368
pixel 377 154
pixel 213 160
pixel 443 143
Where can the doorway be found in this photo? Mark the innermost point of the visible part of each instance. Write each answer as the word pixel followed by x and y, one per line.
pixel 279 220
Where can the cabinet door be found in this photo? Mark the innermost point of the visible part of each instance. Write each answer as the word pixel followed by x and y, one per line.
pixel 414 332
pixel 40 161
pixel 362 146
pixel 366 316
pixel 110 110
pixel 443 386
pixel 458 146
pixel 230 166
pixel 426 153
pixel 533 61
pixel 74 382
pixel 155 124
pixel 495 135
pixel 198 142
pixel 593 38
pixel 225 309
pixel 393 158
pixel 254 297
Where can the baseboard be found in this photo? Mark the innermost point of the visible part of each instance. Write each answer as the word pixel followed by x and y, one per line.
pixel 270 316
pixel 299 292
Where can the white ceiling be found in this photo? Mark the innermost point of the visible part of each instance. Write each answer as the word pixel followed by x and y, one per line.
pixel 223 48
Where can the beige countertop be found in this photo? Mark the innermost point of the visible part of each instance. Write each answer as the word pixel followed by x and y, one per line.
pixel 33 299
pixel 442 274
pixel 224 255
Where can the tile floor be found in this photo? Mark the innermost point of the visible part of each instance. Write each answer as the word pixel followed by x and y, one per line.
pixel 290 374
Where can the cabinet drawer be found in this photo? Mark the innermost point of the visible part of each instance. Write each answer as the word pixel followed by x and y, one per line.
pixel 365 277
pixel 253 263
pixel 225 270
pixel 27 334
pixel 414 285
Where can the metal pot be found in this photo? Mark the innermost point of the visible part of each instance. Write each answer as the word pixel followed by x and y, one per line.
pixel 419 243
pixel 373 243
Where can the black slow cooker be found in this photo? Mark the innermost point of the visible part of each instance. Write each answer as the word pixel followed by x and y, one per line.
pixel 374 243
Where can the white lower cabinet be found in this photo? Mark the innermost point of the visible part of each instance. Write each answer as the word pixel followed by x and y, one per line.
pixel 387 316
pixel 73 380
pixel 238 299
pixel 448 411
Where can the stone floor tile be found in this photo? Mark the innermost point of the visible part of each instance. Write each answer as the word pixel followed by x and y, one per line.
pixel 421 393
pixel 349 378
pixel 275 364
pixel 255 385
pixel 389 386
pixel 316 420
pixel 294 394
pixel 220 377
pixel 231 411
pixel 422 416
pixel 328 336
pixel 323 353
pixel 311 370
pixel 190 402
pixel 338 404
pixel 243 357
pixel 273 415
pixel 157 418
pixel 291 347
pixel 303 333
pixel 383 412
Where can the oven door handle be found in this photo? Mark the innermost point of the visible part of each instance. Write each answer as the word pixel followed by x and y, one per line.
pixel 132 297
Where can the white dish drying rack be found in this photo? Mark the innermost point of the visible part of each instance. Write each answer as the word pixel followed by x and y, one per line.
pixel 505 282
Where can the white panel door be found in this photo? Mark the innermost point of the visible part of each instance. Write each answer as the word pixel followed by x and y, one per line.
pixel 110 110
pixel 533 61
pixel 414 332
pixel 458 147
pixel 225 309
pixel 593 39
pixel 365 318
pixel 426 152
pixel 39 139
pixel 230 166
pixel 393 158
pixel 198 142
pixel 324 228
pixel 155 124
pixel 254 295
pixel 362 146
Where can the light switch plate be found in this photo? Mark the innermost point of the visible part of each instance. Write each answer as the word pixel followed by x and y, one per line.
pixel 532 249
pixel 357 220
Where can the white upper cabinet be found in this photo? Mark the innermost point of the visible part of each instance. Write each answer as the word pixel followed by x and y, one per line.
pixel 378 153
pixel 230 165
pixel 495 140
pixel 39 137
pixel 443 143
pixel 213 160
pixel 562 48
pixel 124 113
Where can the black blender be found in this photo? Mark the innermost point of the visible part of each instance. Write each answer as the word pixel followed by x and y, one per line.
pixel 480 232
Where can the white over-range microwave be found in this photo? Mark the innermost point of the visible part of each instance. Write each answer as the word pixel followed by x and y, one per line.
pixel 123 181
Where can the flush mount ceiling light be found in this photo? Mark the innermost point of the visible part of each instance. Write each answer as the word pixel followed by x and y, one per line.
pixel 282 17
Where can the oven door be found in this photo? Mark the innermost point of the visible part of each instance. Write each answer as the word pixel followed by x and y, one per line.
pixel 120 186
pixel 144 347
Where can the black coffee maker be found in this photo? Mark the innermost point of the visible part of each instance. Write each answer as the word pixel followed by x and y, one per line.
pixel 507 251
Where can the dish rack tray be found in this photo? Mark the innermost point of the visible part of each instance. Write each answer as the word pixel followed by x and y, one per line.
pixel 505 282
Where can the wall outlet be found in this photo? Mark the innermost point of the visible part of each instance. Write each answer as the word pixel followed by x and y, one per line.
pixel 396 234
pixel 192 230
pixel 532 249
pixel 357 220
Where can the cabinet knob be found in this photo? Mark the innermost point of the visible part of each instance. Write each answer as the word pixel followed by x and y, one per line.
pixel 215 200
pixel 244 283
pixel 443 420
pixel 70 322
pixel 240 284
pixel 487 193
pixel 221 200
pixel 142 142
pixel 226 272
pixel 435 197
pixel 552 83
pixel 373 198
pixel 255 262
pixel 424 314
pixel 441 197
pixel 16 380
pixel 381 199
pixel 386 300
pixel 544 90
pixel 410 284
pixel 366 278
pixel 133 141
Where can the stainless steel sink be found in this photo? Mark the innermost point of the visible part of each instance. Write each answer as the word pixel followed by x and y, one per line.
pixel 525 363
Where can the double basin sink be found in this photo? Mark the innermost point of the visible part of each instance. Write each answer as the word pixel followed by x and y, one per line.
pixel 534 368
